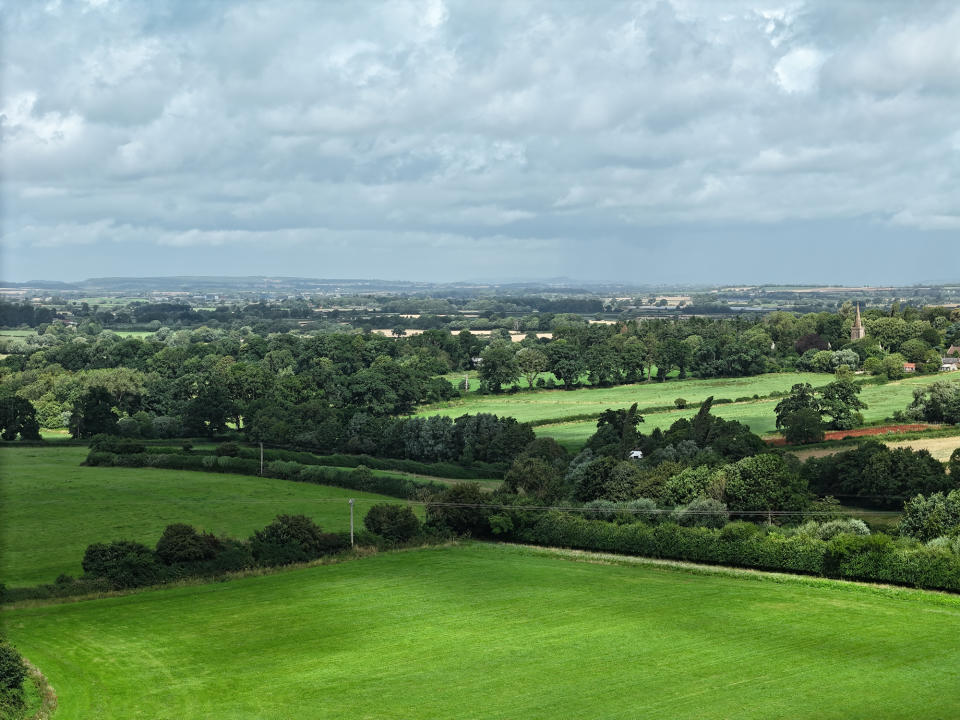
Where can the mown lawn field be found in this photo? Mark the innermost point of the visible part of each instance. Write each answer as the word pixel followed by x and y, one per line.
pixel 52 507
pixel 882 401
pixel 485 631
pixel 548 404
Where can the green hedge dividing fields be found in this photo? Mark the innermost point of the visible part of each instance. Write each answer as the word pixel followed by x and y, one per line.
pixel 873 558
pixel 285 470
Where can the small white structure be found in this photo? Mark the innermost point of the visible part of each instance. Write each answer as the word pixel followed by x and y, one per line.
pixel 636 455
pixel 949 364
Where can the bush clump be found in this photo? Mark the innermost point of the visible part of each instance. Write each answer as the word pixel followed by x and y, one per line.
pixel 396 523
pixel 292 539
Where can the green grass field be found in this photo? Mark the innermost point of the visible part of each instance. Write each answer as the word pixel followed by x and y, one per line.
pixel 882 402
pixel 483 631
pixel 53 507
pixel 547 404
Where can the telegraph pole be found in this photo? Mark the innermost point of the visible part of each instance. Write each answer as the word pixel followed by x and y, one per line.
pixel 351 522
pixel 261 459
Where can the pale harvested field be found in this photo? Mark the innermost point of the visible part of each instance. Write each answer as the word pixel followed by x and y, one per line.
pixel 940 448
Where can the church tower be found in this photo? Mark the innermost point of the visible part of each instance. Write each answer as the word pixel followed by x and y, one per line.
pixel 857 332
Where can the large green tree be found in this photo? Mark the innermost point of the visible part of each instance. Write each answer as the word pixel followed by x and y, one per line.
pixel 93 414
pixel 17 417
pixel 499 366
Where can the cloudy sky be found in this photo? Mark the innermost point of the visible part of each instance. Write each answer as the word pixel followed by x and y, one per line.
pixel 453 140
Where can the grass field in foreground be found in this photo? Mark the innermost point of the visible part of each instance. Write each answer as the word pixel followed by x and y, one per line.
pixel 882 401
pixel 547 404
pixel 486 631
pixel 53 507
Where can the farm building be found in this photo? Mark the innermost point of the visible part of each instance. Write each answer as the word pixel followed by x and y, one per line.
pixel 909 367
pixel 949 364
pixel 953 350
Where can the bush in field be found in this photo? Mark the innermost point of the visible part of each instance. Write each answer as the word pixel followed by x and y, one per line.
pixel 124 564
pixel 460 509
pixel 13 671
pixel 180 544
pixel 227 449
pixel 288 539
pixel 955 466
pixel 681 403
pixel 396 523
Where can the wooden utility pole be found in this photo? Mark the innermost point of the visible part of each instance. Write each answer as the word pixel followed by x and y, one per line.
pixel 351 522
pixel 261 459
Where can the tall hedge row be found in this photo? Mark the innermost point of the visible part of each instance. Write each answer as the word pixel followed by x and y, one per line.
pixel 874 558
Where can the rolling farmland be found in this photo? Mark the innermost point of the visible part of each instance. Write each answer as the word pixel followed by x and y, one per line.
pixel 549 404
pixel 483 631
pixel 882 402
pixel 53 507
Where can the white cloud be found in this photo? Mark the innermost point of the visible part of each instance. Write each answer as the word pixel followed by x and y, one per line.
pixel 798 70
pixel 215 124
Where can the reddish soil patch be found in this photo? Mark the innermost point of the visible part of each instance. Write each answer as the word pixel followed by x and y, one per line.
pixel 862 432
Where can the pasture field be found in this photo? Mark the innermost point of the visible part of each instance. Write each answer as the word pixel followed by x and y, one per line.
pixel 548 404
pixel 53 507
pixel 882 401
pixel 488 631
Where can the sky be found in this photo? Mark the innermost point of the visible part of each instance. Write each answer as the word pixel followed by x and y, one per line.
pixel 676 141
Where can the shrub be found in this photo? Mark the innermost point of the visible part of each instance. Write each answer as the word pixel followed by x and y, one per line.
pixel 13 671
pixel 123 563
pixel 461 510
pixel 681 403
pixel 702 512
pixel 227 449
pixel 396 523
pixel 180 543
pixel 288 539
pixel 832 528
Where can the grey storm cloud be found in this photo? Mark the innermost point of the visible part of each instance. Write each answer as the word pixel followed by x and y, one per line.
pixel 438 138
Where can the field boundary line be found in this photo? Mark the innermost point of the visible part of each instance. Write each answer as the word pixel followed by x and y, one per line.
pixel 48 696
pixel 940 597
pixel 361 552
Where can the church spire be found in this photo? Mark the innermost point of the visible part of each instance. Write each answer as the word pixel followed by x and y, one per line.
pixel 857 332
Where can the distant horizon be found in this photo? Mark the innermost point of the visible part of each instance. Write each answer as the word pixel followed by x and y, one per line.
pixel 548 281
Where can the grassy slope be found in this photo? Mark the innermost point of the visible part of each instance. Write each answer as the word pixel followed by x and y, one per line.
pixel 882 401
pixel 53 508
pixel 546 404
pixel 498 632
